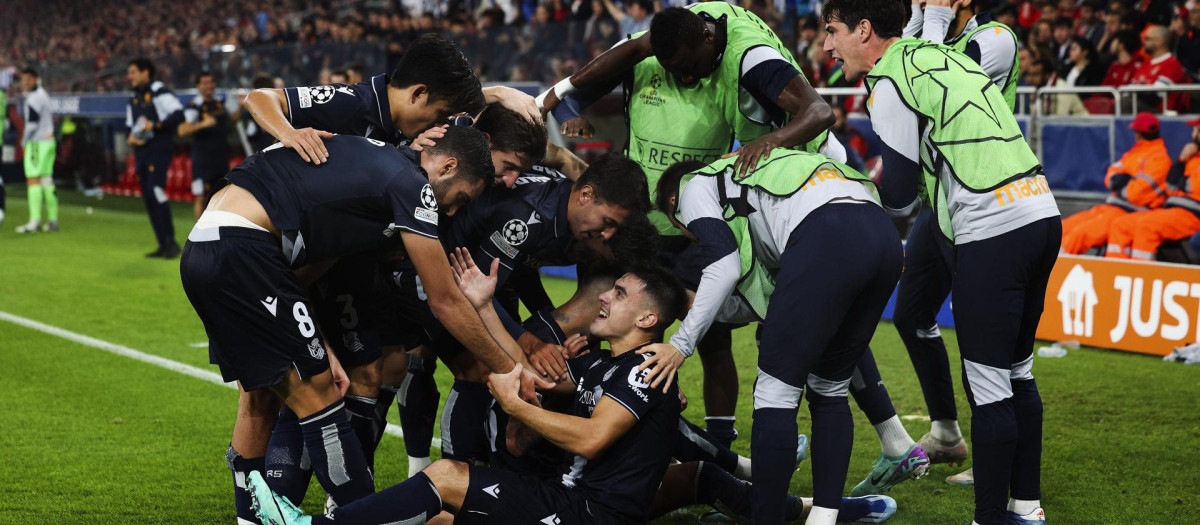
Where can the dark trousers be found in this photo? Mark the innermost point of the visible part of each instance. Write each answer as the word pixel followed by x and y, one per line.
pixel 836 275
pixel 999 293
pixel 151 170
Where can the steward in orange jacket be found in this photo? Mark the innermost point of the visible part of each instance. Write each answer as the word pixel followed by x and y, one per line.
pixel 1138 235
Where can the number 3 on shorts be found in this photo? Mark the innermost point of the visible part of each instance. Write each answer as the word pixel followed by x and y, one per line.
pixel 300 312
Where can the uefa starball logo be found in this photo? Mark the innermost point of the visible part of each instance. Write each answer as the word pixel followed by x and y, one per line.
pixel 428 199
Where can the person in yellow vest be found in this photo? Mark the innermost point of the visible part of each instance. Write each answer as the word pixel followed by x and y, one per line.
pixel 38 141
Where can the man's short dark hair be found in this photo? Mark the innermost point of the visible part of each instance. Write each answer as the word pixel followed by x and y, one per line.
pixel 646 5
pixel 470 147
pixel 435 62
pixel 668 184
pixel 143 64
pixel 674 28
pixel 618 181
pixel 1130 40
pixel 635 241
pixel 340 73
pixel 261 81
pixel 203 74
pixel 887 18
pixel 1064 21
pixel 664 291
pixel 30 71
pixel 355 66
pixel 511 132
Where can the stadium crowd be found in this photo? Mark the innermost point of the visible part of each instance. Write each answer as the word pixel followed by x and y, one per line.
pixel 87 42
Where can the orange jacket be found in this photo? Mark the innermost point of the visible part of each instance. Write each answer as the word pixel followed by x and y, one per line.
pixel 1147 162
pixel 1185 193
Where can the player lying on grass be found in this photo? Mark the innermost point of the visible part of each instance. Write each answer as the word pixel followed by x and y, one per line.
pixel 619 436
pixel 813 230
pixel 279 213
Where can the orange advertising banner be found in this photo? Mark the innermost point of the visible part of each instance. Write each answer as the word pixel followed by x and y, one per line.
pixel 1145 307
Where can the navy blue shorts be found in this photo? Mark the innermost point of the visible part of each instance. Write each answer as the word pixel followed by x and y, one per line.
pixel 497 496
pixel 348 300
pixel 258 322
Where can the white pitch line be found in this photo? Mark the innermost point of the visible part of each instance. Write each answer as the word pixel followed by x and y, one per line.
pixel 137 355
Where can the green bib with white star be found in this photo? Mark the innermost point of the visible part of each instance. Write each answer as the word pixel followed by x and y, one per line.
pixel 966 129
pixel 783 174
pixel 1010 87
pixel 669 123
pixel 744 31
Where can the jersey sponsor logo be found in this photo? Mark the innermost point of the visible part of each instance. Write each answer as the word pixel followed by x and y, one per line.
pixel 637 383
pixel 425 215
pixel 323 94
pixel 316 349
pixel 493 491
pixel 272 304
pixel 1022 189
pixel 498 239
pixel 515 232
pixel 304 95
pixel 428 199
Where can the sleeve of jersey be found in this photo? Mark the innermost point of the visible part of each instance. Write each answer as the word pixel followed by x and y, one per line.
pixel 410 207
pixel 168 108
pixel 765 74
pixel 996 53
pixel 307 108
pixel 915 22
pixel 582 98
pixel 628 387
pixel 897 127
pixel 507 233
pixel 719 256
pixel 937 21
pixel 512 326
pixel 129 115
pixel 577 366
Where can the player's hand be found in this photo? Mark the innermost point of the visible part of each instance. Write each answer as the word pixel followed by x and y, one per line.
pixel 548 361
pixel 750 154
pixel 477 287
pixel 307 142
pixel 663 364
pixel 575 346
pixel 954 5
pixel 682 400
pixel 506 388
pixel 208 121
pixel 428 139
pixel 1188 152
pixel 340 379
pixel 134 141
pixel 531 383
pixel 515 100
pixel 578 127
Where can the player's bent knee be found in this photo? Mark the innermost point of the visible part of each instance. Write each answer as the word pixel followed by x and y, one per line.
pixel 771 392
pixel 451 479
pixel 365 379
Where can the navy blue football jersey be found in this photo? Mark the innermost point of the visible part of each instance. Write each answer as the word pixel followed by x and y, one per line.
pixel 358 200
pixel 209 145
pixel 360 109
pixel 625 477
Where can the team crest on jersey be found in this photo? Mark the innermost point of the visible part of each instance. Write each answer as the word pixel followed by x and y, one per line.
pixel 323 94
pixel 428 199
pixel 515 232
pixel 351 341
pixel 316 349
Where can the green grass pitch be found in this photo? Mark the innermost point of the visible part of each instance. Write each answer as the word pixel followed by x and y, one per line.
pixel 92 437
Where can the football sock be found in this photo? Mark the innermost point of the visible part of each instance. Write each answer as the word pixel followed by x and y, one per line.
pixel 463 418
pixel 34 193
pixel 821 516
pixel 337 458
pixel 288 468
pixel 946 430
pixel 412 502
pixel 716 484
pixel 417 400
pixel 1023 507
pixel 695 444
pixel 241 468
pixel 51 199
pixel 893 437
pixel 774 462
pixel 1027 466
pixel 363 419
pixel 866 385
pixel 833 437
pixel 994 440
pixel 721 428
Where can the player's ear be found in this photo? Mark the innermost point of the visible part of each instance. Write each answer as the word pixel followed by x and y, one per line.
pixel 449 165
pixel 647 320
pixel 586 194
pixel 417 91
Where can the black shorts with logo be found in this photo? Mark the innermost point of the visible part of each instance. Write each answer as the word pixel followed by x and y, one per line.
pixel 349 300
pixel 258 322
pixel 496 496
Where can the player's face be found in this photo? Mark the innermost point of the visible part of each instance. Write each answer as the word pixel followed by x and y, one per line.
pixel 206 86
pixel 136 77
pixel 28 82
pixel 846 45
pixel 421 114
pixel 622 309
pixel 508 165
pixel 454 192
pixel 590 218
pixel 690 64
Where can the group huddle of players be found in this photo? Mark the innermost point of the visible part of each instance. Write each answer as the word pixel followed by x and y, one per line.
pixel 401 221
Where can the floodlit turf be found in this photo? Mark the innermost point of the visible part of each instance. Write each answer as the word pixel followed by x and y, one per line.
pixel 91 437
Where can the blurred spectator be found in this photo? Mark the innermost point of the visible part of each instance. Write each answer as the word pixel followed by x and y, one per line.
pixel 354 73
pixel 1063 28
pixel 338 77
pixel 1126 47
pixel 1112 26
pixel 1187 40
pixel 1091 23
pixel 635 18
pixel 1161 68
pixel 1086 69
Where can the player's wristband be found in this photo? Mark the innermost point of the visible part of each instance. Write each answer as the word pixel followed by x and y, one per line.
pixel 560 89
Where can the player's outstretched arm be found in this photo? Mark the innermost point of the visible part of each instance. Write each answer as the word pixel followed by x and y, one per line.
pixel 612 63
pixel 586 437
pixel 811 115
pixel 479 288
pixel 269 107
pixel 564 161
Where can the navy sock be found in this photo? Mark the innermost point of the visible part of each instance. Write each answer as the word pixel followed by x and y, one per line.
pixel 364 420
pixel 337 458
pixel 833 436
pixel 994 444
pixel 418 401
pixel 721 428
pixel 288 469
pixel 412 502
pixel 774 462
pixel 241 468
pixel 696 444
pixel 1026 481
pixel 866 385
pixel 464 420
